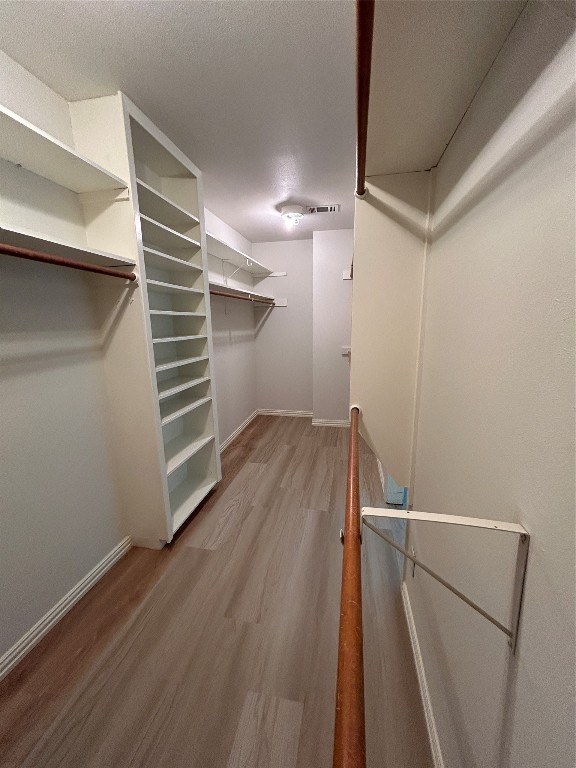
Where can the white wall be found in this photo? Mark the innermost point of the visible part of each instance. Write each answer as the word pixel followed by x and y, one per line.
pixel 218 228
pixel 496 416
pixel 60 510
pixel 60 506
pixel 234 337
pixel 389 257
pixel 284 335
pixel 332 323
pixel 233 333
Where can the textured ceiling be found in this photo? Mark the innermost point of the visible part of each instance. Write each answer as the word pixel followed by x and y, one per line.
pixel 428 61
pixel 260 94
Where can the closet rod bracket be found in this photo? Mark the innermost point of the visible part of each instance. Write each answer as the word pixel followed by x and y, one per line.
pixel 468 522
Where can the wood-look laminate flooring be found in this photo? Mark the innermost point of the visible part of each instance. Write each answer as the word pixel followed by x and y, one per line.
pixel 220 650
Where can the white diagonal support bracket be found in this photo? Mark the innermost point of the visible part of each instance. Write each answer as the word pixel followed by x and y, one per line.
pixel 469 522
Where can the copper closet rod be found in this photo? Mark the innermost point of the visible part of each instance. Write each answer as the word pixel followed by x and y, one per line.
pixel 214 292
pixel 364 34
pixel 46 258
pixel 349 731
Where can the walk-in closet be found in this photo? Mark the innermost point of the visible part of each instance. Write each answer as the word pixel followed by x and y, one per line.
pixel 287 364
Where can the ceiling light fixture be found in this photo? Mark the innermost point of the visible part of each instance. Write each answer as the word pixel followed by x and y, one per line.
pixel 292 213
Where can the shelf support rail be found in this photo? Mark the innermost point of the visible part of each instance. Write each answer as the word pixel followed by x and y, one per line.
pixel 46 258
pixel 470 522
pixel 349 728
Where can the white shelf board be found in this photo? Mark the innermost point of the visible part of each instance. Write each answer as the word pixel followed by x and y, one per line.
pixel 174 386
pixel 174 313
pixel 179 363
pixel 225 252
pixel 186 497
pixel 163 209
pixel 180 449
pixel 155 155
pixel 26 145
pixel 240 291
pixel 161 260
pixel 157 285
pixel 168 339
pixel 154 233
pixel 183 410
pixel 36 242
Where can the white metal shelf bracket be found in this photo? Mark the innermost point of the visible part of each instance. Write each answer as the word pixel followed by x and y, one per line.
pixel 470 522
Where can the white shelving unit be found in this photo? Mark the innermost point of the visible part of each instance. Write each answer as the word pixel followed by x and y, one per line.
pixel 55 200
pixel 159 352
pixel 135 204
pixel 29 147
pixel 168 207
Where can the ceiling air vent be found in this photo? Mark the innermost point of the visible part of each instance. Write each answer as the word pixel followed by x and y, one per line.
pixel 334 208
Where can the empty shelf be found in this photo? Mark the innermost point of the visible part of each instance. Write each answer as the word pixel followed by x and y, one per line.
pixel 178 384
pixel 161 260
pixel 225 252
pixel 167 339
pixel 163 209
pixel 180 449
pixel 155 233
pixel 174 313
pixel 155 155
pixel 37 242
pixel 161 287
pixel 178 363
pixel 185 498
pixel 177 412
pixel 24 144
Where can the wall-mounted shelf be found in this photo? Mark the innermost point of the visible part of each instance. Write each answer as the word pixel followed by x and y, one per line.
pixel 55 247
pixel 241 260
pixel 27 146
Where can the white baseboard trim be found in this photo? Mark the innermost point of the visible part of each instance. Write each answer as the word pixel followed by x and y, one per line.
pixel 421 672
pixel 328 423
pixel 36 633
pixel 382 476
pixel 272 412
pixel 237 431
